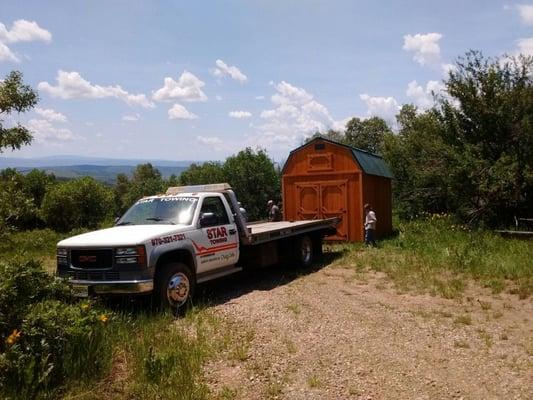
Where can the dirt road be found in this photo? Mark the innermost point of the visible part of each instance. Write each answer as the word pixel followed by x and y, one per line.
pixel 335 334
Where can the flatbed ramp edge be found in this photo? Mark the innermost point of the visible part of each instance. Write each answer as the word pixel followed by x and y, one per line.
pixel 262 232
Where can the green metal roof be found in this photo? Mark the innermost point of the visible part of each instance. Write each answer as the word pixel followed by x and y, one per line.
pixel 371 164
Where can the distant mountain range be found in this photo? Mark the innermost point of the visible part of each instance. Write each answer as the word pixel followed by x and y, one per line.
pixel 103 169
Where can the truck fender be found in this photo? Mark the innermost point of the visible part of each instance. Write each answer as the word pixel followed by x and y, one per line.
pixel 184 254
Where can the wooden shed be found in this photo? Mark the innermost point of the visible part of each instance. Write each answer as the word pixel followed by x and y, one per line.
pixel 323 179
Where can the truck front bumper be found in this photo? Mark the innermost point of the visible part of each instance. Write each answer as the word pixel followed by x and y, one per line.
pixel 111 287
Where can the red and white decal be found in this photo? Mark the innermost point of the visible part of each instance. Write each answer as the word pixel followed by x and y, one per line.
pixel 202 251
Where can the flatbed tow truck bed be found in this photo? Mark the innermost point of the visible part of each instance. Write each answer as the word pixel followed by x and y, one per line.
pixel 262 232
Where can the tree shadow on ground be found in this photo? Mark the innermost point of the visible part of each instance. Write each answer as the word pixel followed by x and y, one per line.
pixel 222 290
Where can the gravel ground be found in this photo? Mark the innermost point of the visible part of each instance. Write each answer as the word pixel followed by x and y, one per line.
pixel 332 334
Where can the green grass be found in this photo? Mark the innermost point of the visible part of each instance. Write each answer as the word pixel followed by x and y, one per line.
pixel 157 357
pixel 439 257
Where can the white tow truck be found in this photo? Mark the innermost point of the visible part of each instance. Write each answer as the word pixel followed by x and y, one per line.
pixel 166 244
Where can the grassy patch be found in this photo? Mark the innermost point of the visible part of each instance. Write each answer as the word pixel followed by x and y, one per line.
pixel 38 244
pixel 314 382
pixel 437 257
pixel 461 344
pixel 463 320
pixel 157 357
pixel 295 308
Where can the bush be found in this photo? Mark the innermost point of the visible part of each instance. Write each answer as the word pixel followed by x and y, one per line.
pixel 76 204
pixel 46 337
pixel 16 207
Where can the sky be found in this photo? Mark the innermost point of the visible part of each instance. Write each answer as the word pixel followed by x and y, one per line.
pixel 201 80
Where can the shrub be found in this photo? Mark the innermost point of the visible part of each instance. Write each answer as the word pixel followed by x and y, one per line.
pixel 46 337
pixel 75 204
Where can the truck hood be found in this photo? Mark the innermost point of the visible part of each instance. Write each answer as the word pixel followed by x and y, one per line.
pixel 122 235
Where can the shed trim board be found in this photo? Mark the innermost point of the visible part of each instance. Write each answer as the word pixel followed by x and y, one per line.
pixel 324 179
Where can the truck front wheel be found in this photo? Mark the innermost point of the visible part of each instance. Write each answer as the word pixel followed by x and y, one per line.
pixel 174 286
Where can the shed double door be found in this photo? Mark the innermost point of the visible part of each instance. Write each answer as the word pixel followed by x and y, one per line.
pixel 319 200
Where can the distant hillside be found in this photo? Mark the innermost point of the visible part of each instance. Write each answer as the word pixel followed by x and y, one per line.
pixel 103 173
pixel 103 169
pixel 68 160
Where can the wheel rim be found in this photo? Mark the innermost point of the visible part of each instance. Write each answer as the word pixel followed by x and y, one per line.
pixel 178 289
pixel 306 250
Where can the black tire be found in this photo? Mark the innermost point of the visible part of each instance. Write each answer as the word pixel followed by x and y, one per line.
pixel 174 287
pixel 305 251
pixel 317 247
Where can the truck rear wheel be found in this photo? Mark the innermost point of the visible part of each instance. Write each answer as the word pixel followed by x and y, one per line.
pixel 175 286
pixel 304 251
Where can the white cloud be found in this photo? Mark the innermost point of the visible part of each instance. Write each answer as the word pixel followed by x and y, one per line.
pixel 525 46
pixel 219 97
pixel 210 140
pixel 6 54
pixel 526 13
pixel 423 97
pixel 215 143
pixel 24 31
pixel 51 115
pixel 222 69
pixel 179 112
pixel 187 88
pixel 44 132
pixel 131 118
pixel 295 115
pixel 70 85
pixel 21 31
pixel 384 107
pixel 240 114
pixel 425 47
pixel 259 97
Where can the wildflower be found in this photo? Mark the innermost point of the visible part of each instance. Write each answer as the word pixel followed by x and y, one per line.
pixel 85 306
pixel 12 339
pixel 103 318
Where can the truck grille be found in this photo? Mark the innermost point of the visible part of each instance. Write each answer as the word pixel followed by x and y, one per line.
pixel 91 259
pixel 94 276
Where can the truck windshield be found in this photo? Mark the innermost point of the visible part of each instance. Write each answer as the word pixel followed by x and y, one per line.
pixel 160 210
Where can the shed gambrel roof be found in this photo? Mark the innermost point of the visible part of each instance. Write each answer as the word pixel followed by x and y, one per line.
pixel 370 163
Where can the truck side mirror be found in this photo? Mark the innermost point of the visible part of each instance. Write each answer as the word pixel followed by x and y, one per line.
pixel 208 219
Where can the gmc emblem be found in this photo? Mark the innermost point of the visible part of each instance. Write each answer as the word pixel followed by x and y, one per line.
pixel 87 259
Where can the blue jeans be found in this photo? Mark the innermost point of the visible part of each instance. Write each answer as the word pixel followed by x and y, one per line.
pixel 370 237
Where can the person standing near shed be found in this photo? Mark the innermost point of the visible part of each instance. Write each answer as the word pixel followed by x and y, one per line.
pixel 274 214
pixel 370 225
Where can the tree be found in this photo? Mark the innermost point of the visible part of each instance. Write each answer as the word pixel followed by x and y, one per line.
pixel 367 134
pixel 79 203
pixel 36 183
pixel 15 97
pixel 146 181
pixel 16 207
pixel 254 178
pixel 488 121
pixel 199 174
pixel 419 161
pixel 120 192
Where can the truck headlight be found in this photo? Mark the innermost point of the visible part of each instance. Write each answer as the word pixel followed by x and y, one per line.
pixel 131 255
pixel 62 256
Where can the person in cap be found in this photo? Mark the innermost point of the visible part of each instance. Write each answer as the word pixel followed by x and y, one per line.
pixel 274 214
pixel 370 225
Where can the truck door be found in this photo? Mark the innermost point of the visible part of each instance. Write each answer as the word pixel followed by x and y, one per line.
pixel 216 242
